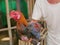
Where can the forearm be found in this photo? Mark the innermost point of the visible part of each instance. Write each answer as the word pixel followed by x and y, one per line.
pixel 34 21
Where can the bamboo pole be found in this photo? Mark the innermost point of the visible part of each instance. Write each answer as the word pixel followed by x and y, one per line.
pixel 18 4
pixel 4 29
pixel 8 22
pixel 30 7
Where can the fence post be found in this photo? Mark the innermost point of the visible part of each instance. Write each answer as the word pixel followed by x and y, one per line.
pixel 8 22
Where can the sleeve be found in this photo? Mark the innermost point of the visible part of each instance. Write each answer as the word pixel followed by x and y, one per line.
pixel 37 11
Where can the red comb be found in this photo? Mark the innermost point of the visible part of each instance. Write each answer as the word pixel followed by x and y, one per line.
pixel 15 14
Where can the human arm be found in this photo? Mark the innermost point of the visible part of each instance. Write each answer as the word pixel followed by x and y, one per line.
pixel 36 12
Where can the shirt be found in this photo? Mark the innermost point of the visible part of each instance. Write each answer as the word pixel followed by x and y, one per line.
pixel 51 13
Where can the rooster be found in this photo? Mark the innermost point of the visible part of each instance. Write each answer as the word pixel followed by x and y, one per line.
pixel 27 31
